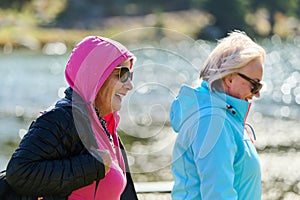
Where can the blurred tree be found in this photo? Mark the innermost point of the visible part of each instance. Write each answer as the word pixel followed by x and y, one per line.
pixel 229 15
pixel 288 8
pixel 80 14
pixel 15 4
pixel 161 5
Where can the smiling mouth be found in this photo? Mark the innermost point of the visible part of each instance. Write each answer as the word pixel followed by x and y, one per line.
pixel 119 95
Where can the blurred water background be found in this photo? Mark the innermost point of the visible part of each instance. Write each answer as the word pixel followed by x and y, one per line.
pixel 32 81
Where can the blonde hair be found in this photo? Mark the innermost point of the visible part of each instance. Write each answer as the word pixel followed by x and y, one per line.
pixel 232 53
pixel 129 61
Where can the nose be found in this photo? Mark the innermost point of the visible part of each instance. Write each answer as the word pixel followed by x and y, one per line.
pixel 128 84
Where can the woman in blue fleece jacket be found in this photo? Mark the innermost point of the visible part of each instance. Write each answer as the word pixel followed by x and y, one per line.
pixel 214 156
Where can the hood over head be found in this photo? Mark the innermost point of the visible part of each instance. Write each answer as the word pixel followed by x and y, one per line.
pixel 193 102
pixel 90 64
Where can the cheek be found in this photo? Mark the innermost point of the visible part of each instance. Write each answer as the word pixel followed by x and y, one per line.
pixel 109 95
pixel 238 90
pixel 244 91
pixel 117 85
pixel 104 99
pixel 106 92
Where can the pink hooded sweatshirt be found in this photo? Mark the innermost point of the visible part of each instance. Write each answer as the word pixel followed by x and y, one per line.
pixel 90 64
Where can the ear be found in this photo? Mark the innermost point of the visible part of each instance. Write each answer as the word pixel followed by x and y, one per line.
pixel 227 80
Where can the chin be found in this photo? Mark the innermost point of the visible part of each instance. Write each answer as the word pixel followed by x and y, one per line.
pixel 117 108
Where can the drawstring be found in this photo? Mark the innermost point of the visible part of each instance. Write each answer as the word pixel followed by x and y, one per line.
pixel 252 131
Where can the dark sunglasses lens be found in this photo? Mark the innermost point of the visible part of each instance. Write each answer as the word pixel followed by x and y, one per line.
pixel 256 88
pixel 125 74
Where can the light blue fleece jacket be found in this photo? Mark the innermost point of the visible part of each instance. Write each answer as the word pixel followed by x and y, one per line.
pixel 213 157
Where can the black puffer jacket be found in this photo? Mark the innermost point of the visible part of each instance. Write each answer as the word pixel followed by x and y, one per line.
pixel 51 160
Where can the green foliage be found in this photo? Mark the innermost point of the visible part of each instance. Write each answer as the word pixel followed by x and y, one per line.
pixel 91 14
pixel 229 14
pixel 288 7
pixel 14 4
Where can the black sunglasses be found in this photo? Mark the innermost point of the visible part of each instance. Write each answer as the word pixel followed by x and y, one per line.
pixel 256 86
pixel 124 73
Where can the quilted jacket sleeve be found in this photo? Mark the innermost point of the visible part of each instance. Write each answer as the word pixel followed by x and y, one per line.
pixel 51 159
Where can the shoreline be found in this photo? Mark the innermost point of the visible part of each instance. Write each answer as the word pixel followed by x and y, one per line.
pixel 35 37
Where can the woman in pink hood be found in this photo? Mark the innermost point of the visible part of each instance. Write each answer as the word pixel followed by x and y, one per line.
pixel 73 151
